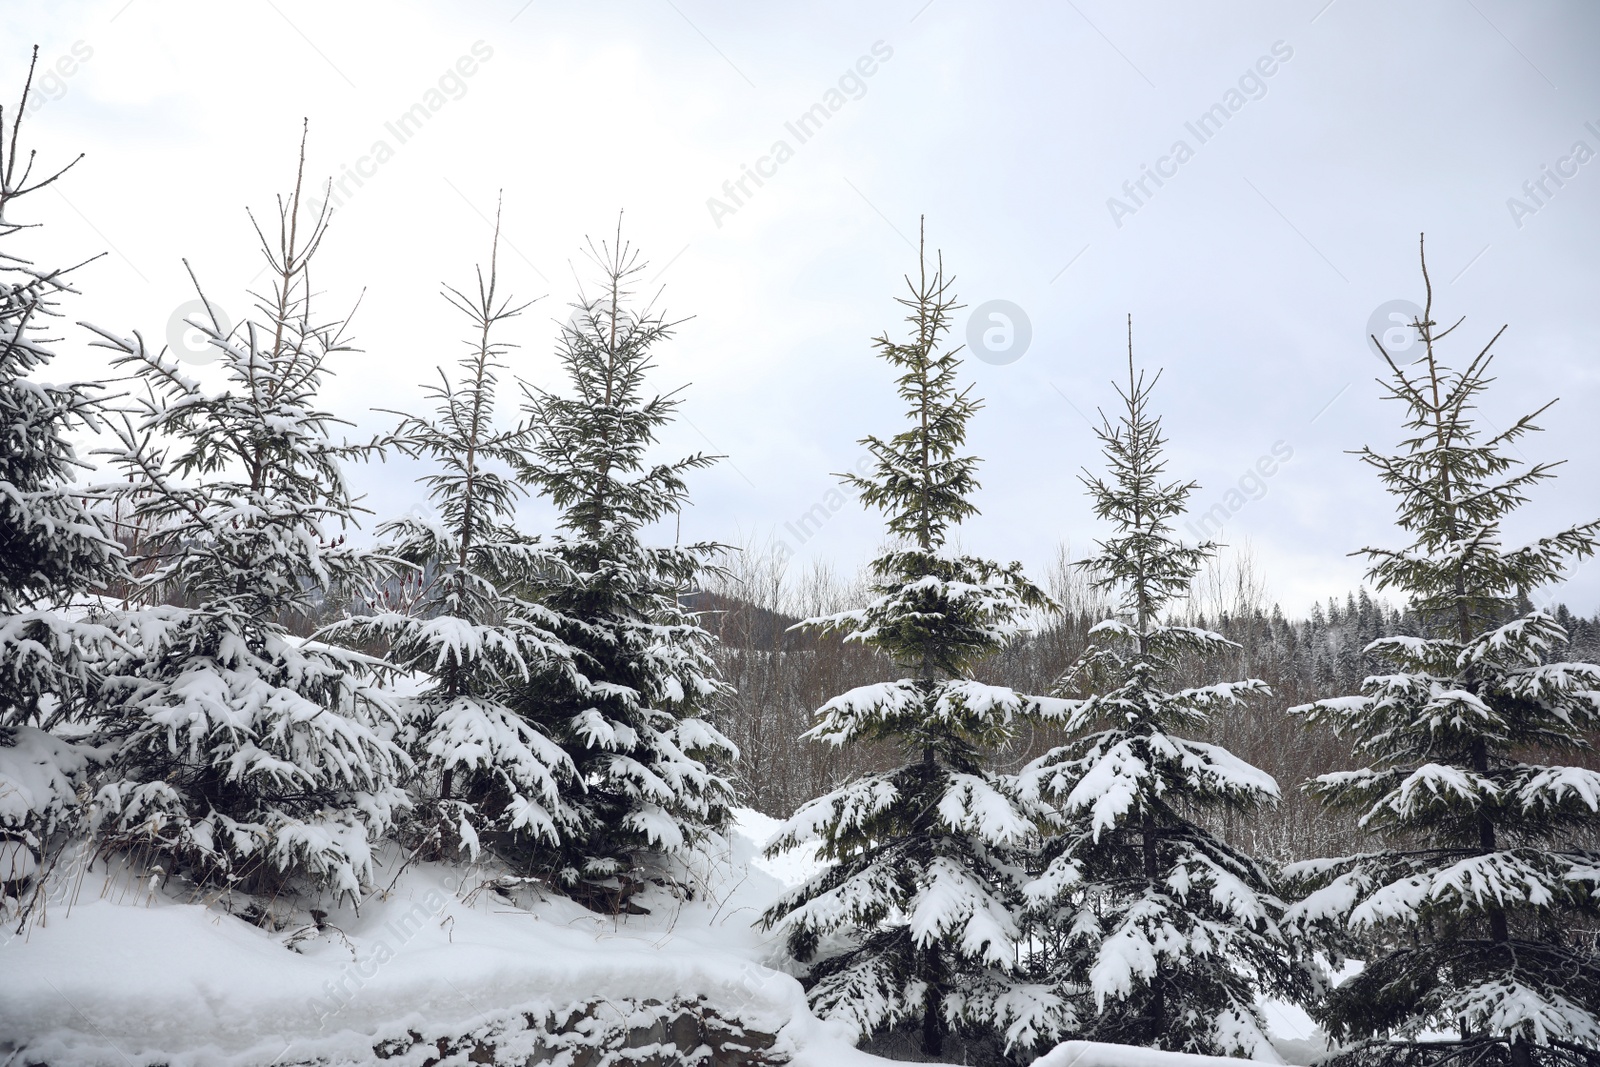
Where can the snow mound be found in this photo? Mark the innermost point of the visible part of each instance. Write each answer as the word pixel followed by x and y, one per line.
pixel 130 974
pixel 123 973
pixel 1099 1054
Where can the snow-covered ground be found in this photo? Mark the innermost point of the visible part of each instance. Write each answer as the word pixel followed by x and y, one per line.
pixel 122 973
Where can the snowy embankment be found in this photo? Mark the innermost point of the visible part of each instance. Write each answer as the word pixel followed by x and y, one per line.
pixel 130 975
pixel 1098 1054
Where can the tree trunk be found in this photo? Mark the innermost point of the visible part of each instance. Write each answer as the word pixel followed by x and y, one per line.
pixel 933 994
pixel 1499 929
pixel 932 1003
pixel 1158 996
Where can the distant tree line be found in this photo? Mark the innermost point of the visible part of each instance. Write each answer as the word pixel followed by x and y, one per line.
pixel 779 676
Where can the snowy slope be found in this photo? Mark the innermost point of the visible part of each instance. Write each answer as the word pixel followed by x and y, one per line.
pixel 138 975
pixel 130 976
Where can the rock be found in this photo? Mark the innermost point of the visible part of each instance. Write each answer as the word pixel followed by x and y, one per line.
pixel 608 1034
pixel 646 1036
pixel 684 1033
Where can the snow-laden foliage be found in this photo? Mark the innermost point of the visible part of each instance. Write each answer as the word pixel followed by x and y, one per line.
pixel 627 707
pixel 488 768
pixel 53 548
pixel 241 753
pixel 41 780
pixel 914 921
pixel 1475 919
pixel 1172 933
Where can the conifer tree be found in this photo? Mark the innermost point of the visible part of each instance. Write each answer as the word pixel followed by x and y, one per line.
pixel 486 770
pixel 1472 920
pixel 914 920
pixel 1173 933
pixel 628 710
pixel 53 548
pixel 242 755
pixel 54 551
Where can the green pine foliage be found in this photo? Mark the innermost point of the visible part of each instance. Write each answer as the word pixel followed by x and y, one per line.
pixel 1173 934
pixel 629 711
pixel 913 922
pixel 1470 921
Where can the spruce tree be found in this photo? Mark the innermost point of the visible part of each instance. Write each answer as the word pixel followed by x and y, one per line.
pixel 629 708
pixel 486 771
pixel 54 550
pixel 1474 917
pixel 243 756
pixel 53 547
pixel 1173 933
pixel 914 920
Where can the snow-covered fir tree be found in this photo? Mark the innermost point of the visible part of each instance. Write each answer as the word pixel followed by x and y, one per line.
pixel 913 923
pixel 53 548
pixel 1476 921
pixel 628 707
pixel 243 755
pixel 1173 933
pixel 486 771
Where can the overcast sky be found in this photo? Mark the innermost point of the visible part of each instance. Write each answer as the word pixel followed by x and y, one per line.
pixel 1297 149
